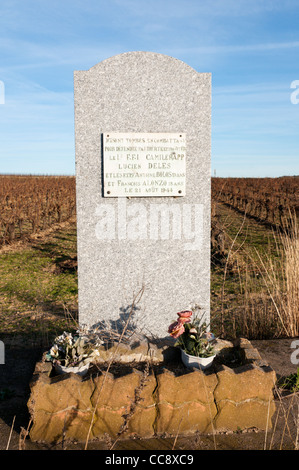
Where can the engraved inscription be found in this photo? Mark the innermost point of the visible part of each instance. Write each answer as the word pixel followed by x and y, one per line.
pixel 144 164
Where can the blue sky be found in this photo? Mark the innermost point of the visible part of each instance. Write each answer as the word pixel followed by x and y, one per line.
pixel 250 47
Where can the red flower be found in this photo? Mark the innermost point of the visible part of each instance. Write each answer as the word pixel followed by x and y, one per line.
pixel 184 316
pixel 176 329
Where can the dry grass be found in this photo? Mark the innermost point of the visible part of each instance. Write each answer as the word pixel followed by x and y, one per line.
pixel 285 431
pixel 259 292
pixel 281 278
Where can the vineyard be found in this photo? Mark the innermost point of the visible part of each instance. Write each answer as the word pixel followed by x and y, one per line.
pixel 255 255
pixel 273 201
pixel 253 284
pixel 31 204
pixel 254 251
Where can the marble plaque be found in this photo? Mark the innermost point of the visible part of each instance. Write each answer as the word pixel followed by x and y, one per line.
pixel 144 164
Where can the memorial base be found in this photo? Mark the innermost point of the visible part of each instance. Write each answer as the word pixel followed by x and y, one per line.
pixel 154 399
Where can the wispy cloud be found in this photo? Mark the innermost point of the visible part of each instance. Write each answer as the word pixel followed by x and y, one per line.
pixel 236 48
pixel 210 9
pixel 250 47
pixel 35 55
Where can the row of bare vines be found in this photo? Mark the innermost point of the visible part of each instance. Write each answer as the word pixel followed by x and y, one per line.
pixel 31 204
pixel 270 200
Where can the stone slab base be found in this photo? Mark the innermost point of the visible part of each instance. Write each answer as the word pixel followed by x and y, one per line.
pixel 153 399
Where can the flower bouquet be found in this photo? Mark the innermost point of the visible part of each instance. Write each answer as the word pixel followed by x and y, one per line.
pixel 194 340
pixel 73 353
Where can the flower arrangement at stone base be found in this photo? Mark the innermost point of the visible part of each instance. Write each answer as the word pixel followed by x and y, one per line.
pixel 73 353
pixel 194 340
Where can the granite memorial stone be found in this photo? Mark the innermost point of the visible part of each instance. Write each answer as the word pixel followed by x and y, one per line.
pixel 142 134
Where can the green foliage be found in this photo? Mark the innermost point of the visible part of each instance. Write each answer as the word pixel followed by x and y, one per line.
pixel 291 382
pixel 38 287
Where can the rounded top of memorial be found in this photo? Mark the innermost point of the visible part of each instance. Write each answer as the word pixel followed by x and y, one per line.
pixel 142 59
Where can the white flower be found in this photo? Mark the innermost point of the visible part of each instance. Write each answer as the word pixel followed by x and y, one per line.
pixel 54 351
pixel 65 338
pixel 68 338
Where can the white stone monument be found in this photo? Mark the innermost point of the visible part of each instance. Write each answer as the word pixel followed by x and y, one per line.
pixel 142 132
